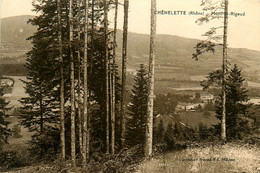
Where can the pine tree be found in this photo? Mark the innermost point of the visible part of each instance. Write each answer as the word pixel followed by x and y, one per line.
pixel 203 132
pixel 79 83
pixel 169 136
pixel 236 98
pixel 4 130
pixel 62 99
pixel 37 108
pixel 124 59
pixel 149 123
pixel 41 109
pixel 85 145
pixel 236 109
pixel 106 74
pixel 224 68
pixel 97 88
pixel 113 80
pixel 209 46
pixel 138 108
pixel 159 133
pixel 72 86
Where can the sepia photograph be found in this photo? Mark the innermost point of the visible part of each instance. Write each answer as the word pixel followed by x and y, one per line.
pixel 122 86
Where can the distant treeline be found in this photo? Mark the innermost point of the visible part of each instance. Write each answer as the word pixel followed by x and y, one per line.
pixel 13 69
pixel 21 59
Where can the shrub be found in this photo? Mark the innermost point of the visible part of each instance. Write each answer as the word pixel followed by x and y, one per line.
pixel 16 131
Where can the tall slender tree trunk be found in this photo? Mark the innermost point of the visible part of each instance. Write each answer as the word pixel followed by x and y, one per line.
pixel 41 112
pixel 92 34
pixel 223 120
pixel 106 73
pixel 110 98
pixel 124 59
pixel 91 69
pixel 87 89
pixel 79 107
pixel 149 123
pixel 85 86
pixel 62 122
pixel 113 84
pixel 79 86
pixel 72 88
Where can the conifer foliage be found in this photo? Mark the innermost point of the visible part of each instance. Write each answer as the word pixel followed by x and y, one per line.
pixel 237 120
pixel 138 108
pixel 41 108
pixel 54 43
pixel 159 133
pixel 236 107
pixel 4 131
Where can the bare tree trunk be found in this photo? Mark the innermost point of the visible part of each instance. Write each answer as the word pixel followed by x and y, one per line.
pixel 113 84
pixel 149 125
pixel 79 108
pixel 91 72
pixel 62 123
pixel 107 80
pixel 79 87
pixel 110 97
pixel 41 112
pixel 85 86
pixel 124 57
pixel 223 120
pixel 72 88
pixel 92 34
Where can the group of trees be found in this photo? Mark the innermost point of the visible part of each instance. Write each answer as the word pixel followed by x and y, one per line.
pixel 226 84
pixel 239 123
pixel 237 116
pixel 240 119
pixel 76 102
pixel 166 104
pixel 211 42
pixel 92 112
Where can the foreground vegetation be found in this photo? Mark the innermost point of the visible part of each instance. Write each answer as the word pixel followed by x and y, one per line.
pixel 231 157
pixel 178 137
pixel 210 158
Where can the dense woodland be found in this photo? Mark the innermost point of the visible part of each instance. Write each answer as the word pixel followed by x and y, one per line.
pixel 80 112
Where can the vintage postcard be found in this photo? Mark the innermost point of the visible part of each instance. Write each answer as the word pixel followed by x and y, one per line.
pixel 130 86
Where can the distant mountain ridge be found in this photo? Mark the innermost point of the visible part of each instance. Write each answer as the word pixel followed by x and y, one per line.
pixel 173 53
pixel 14 32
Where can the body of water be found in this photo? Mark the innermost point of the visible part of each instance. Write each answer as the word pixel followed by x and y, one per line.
pixel 18 91
pixel 255 101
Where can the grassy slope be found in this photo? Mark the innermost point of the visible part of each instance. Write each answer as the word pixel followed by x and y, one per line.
pixel 241 158
pixel 17 144
pixel 245 158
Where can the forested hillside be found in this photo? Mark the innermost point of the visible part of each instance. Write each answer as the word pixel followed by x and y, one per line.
pixel 173 52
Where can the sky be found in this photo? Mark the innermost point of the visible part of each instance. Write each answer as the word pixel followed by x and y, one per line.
pixel 244 31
